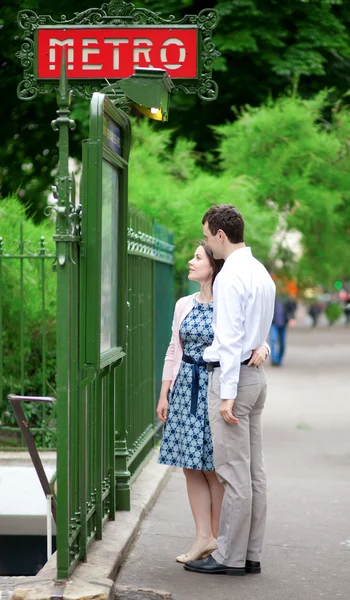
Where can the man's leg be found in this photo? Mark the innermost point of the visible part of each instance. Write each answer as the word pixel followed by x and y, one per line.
pixel 274 337
pixel 232 463
pixel 282 332
pixel 258 477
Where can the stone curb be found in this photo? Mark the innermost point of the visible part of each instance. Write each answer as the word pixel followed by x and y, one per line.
pixel 95 579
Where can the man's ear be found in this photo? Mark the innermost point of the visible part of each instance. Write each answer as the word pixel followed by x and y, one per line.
pixel 221 235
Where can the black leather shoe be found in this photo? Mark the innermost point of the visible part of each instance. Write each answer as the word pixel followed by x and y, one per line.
pixel 209 565
pixel 252 567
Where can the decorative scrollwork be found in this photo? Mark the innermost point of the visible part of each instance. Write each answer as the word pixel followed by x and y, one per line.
pixel 210 54
pixel 29 21
pixel 28 88
pixel 118 8
pixel 208 90
pixel 137 16
pixel 84 90
pixel 208 19
pixel 187 89
pixel 26 54
pixel 92 16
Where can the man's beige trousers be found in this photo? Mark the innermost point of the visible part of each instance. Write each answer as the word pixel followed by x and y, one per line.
pixel 239 464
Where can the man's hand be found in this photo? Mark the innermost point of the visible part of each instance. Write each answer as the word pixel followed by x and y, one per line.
pixel 258 357
pixel 226 412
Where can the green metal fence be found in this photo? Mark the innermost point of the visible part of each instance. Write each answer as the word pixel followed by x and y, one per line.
pixel 150 301
pixel 111 416
pixel 27 335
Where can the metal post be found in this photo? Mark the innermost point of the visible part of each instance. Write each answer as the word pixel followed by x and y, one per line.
pixel 49 526
pixel 67 363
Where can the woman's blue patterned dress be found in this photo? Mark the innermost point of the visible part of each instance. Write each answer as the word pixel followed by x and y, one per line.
pixel 187 439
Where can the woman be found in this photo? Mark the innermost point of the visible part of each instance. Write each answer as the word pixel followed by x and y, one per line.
pixel 187 439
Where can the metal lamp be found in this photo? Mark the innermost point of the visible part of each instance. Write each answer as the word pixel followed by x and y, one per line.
pixel 149 90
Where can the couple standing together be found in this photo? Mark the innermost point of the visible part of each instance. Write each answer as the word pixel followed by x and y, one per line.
pixel 213 394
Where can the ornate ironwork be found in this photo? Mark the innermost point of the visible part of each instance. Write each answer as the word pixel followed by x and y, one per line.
pixel 117 13
pixel 147 245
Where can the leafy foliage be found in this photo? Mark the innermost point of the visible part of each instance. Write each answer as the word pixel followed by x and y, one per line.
pixel 333 312
pixel 34 322
pixel 283 165
pixel 267 47
pixel 298 164
pixel 169 186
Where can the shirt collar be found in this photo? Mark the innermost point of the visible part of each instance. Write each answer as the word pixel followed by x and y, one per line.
pixel 239 254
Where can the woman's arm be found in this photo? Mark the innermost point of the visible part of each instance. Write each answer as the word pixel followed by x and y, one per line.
pixel 167 376
pixel 163 404
pixel 170 353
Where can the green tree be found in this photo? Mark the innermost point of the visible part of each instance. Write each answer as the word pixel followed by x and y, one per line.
pixel 267 47
pixel 298 164
pixel 167 184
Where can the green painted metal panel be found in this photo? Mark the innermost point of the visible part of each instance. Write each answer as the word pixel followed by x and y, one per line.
pixel 106 155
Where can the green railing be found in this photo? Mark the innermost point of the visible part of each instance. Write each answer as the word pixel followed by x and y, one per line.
pixel 150 301
pixel 27 335
pixel 111 416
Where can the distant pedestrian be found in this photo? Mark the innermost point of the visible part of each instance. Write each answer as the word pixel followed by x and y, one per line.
pixel 284 315
pixel 314 312
pixel 347 311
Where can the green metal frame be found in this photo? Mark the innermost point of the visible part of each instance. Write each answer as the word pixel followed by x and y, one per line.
pixel 95 152
pixel 118 13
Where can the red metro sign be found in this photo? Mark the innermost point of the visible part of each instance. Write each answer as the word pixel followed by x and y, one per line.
pixel 115 52
pixel 107 44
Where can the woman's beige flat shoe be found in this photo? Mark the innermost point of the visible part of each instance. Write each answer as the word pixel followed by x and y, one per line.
pixel 203 553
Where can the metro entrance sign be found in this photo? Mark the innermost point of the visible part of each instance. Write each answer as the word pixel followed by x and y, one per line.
pixel 107 44
pixel 99 53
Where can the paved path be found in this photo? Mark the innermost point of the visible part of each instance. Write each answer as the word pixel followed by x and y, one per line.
pixel 307 449
pixel 7 584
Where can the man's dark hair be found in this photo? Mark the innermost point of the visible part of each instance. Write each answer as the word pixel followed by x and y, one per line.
pixel 227 218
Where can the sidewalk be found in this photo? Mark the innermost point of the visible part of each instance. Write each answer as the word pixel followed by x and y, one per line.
pixel 307 450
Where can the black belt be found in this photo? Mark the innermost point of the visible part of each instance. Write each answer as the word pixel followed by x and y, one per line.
pixel 195 380
pixel 214 365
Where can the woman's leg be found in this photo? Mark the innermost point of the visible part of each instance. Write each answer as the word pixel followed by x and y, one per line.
pixel 199 495
pixel 216 493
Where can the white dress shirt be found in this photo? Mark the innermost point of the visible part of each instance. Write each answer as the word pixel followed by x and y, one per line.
pixel 244 300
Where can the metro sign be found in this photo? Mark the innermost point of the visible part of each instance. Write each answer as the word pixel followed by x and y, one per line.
pixel 114 52
pixel 105 45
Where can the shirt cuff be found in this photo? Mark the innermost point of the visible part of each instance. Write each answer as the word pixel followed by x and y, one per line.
pixel 228 392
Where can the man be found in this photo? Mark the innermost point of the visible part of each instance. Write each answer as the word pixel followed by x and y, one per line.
pixel 244 296
pixel 314 312
pixel 284 315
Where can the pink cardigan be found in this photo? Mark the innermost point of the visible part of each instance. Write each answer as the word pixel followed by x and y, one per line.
pixel 174 353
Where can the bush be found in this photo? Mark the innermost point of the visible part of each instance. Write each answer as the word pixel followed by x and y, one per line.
pixel 333 312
